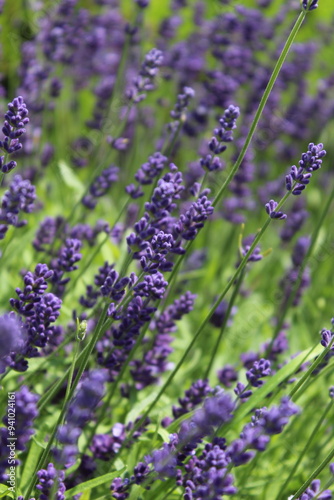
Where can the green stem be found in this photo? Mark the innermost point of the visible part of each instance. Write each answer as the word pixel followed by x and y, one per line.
pixel 294 393
pixel 107 402
pixel 302 268
pixel 262 104
pixel 225 320
pixel 315 431
pixel 86 353
pixel 314 474
pixel 204 323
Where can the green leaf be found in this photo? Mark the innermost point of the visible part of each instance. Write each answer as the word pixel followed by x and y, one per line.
pixel 35 450
pixel 4 491
pixel 70 178
pixel 93 483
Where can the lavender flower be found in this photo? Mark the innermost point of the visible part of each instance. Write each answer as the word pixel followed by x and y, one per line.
pixel 100 186
pixel 68 256
pixel 19 198
pixel 182 103
pixel 16 119
pixel 259 370
pixel 207 476
pixel 222 135
pixel 193 219
pixel 81 409
pixel 36 284
pixel 193 397
pixel 25 413
pixel 297 180
pixel 309 5
pixel 145 81
pixel 270 209
pixel 146 371
pixel 47 478
pixel 152 286
pixel 314 491
pixel 12 338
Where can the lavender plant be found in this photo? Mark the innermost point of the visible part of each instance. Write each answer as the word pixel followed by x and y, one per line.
pixel 165 305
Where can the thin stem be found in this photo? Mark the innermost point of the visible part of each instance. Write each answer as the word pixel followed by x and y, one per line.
pixel 225 320
pixel 314 474
pixel 203 325
pixel 294 393
pixel 306 447
pixel 86 353
pixel 262 104
pixel 302 268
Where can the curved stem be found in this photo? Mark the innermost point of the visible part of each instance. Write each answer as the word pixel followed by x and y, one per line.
pixel 302 268
pixel 262 104
pixel 222 329
pixel 315 431
pixel 314 474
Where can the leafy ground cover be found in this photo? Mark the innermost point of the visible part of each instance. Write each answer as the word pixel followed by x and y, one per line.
pixel 166 249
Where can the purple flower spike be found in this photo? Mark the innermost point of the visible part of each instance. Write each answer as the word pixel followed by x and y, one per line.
pixel 270 209
pixel 297 180
pixel 145 81
pixel 16 119
pixel 326 337
pixel 310 4
pixel 47 479
pixel 12 338
pixel 259 370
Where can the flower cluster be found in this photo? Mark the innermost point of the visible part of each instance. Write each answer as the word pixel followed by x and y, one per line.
pixel 145 81
pixel 16 119
pixel 297 180
pixel 80 411
pixel 20 197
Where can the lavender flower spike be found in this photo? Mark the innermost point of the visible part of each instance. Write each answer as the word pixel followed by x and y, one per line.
pixel 270 209
pixel 15 120
pixel 297 180
pixel 309 4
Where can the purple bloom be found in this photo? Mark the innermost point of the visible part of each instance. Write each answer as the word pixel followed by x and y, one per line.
pixel 270 209
pixel 259 370
pixel 313 491
pixel 207 476
pixel 12 338
pixel 219 314
pixel 151 169
pixel 276 418
pixel 20 197
pixel 152 286
pixel 144 82
pixel 216 411
pixel 35 286
pixel 309 5
pixel 223 134
pixel 146 371
pixel 297 180
pixel 241 392
pixel 88 395
pixel 164 461
pixel 119 488
pixel 47 478
pixel 16 119
pixel 25 413
pixel 326 337
pixel 227 375
pixel 193 397
pixel 193 219
pixel 100 186
pixel 182 103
